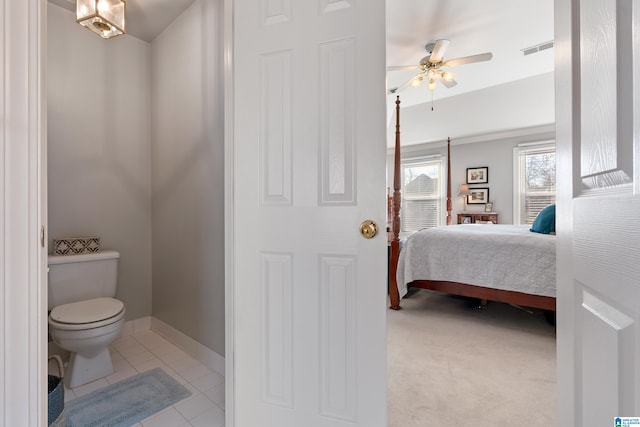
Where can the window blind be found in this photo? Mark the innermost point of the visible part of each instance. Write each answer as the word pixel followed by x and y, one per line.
pixel 536 180
pixel 421 194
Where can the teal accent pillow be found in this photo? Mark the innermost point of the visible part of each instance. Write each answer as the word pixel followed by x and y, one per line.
pixel 545 222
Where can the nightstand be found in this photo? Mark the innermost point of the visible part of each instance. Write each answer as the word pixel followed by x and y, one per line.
pixel 473 218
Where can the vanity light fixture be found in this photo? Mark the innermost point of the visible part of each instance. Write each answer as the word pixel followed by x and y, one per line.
pixel 103 17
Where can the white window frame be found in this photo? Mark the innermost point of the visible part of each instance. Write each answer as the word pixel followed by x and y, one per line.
pixel 413 161
pixel 517 185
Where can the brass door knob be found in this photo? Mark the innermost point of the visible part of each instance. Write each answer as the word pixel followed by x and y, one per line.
pixel 368 229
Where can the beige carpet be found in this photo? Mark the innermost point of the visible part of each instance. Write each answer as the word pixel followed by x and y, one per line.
pixel 450 364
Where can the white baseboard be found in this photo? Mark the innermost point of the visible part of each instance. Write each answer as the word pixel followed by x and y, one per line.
pixel 137 325
pixel 204 354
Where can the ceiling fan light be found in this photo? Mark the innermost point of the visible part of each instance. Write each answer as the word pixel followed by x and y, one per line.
pixel 448 76
pixel 416 81
pixel 106 18
pixel 432 73
pixel 432 85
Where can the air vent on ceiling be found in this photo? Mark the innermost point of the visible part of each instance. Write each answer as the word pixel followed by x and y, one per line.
pixel 537 48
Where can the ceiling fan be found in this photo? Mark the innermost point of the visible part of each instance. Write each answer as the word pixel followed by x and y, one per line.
pixel 430 68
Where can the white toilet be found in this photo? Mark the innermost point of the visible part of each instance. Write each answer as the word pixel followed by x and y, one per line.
pixel 84 317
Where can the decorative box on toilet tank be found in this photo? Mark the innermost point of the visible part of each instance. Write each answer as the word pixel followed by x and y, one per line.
pixel 76 245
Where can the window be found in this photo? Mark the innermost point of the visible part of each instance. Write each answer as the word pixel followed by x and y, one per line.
pixel 421 190
pixel 534 180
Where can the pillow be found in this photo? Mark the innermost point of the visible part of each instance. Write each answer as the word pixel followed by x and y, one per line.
pixel 545 222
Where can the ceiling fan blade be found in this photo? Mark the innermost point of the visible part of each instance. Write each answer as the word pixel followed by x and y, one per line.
pixel 438 50
pixel 403 86
pixel 402 67
pixel 468 59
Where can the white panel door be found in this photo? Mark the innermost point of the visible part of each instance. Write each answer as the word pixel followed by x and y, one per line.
pixel 598 142
pixel 309 161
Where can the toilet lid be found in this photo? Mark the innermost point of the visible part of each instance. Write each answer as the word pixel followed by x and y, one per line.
pixel 93 310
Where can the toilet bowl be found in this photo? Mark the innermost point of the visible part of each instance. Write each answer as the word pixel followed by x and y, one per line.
pixel 84 317
pixel 86 328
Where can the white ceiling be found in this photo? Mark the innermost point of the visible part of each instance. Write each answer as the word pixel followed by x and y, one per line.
pixel 503 27
pixel 145 19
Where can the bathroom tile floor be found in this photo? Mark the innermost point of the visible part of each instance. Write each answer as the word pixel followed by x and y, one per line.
pixel 145 350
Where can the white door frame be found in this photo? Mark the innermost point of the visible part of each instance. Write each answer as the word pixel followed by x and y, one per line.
pixel 229 234
pixel 23 210
pixel 564 196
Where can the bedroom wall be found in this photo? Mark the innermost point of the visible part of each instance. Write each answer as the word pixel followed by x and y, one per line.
pixel 484 127
pixel 98 132
pixel 495 153
pixel 515 105
pixel 187 175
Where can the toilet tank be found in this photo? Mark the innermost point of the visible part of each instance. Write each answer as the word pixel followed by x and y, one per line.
pixel 75 278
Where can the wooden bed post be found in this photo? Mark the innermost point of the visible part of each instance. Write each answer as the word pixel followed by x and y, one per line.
pixel 394 295
pixel 449 220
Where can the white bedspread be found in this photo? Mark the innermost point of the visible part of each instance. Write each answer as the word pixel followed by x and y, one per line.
pixel 508 257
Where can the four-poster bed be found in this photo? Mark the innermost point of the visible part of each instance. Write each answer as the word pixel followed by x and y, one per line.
pixel 541 295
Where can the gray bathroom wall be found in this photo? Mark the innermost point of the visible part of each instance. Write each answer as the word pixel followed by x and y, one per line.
pixel 98 132
pixel 188 175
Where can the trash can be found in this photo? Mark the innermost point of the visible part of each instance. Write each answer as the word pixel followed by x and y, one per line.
pixel 55 402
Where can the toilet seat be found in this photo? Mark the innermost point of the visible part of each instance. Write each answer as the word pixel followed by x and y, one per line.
pixel 88 314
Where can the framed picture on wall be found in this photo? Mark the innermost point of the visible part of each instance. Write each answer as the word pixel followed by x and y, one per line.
pixel 478 175
pixel 478 196
pixel 488 207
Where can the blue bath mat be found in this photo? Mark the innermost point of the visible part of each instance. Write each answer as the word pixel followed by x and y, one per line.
pixel 127 402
